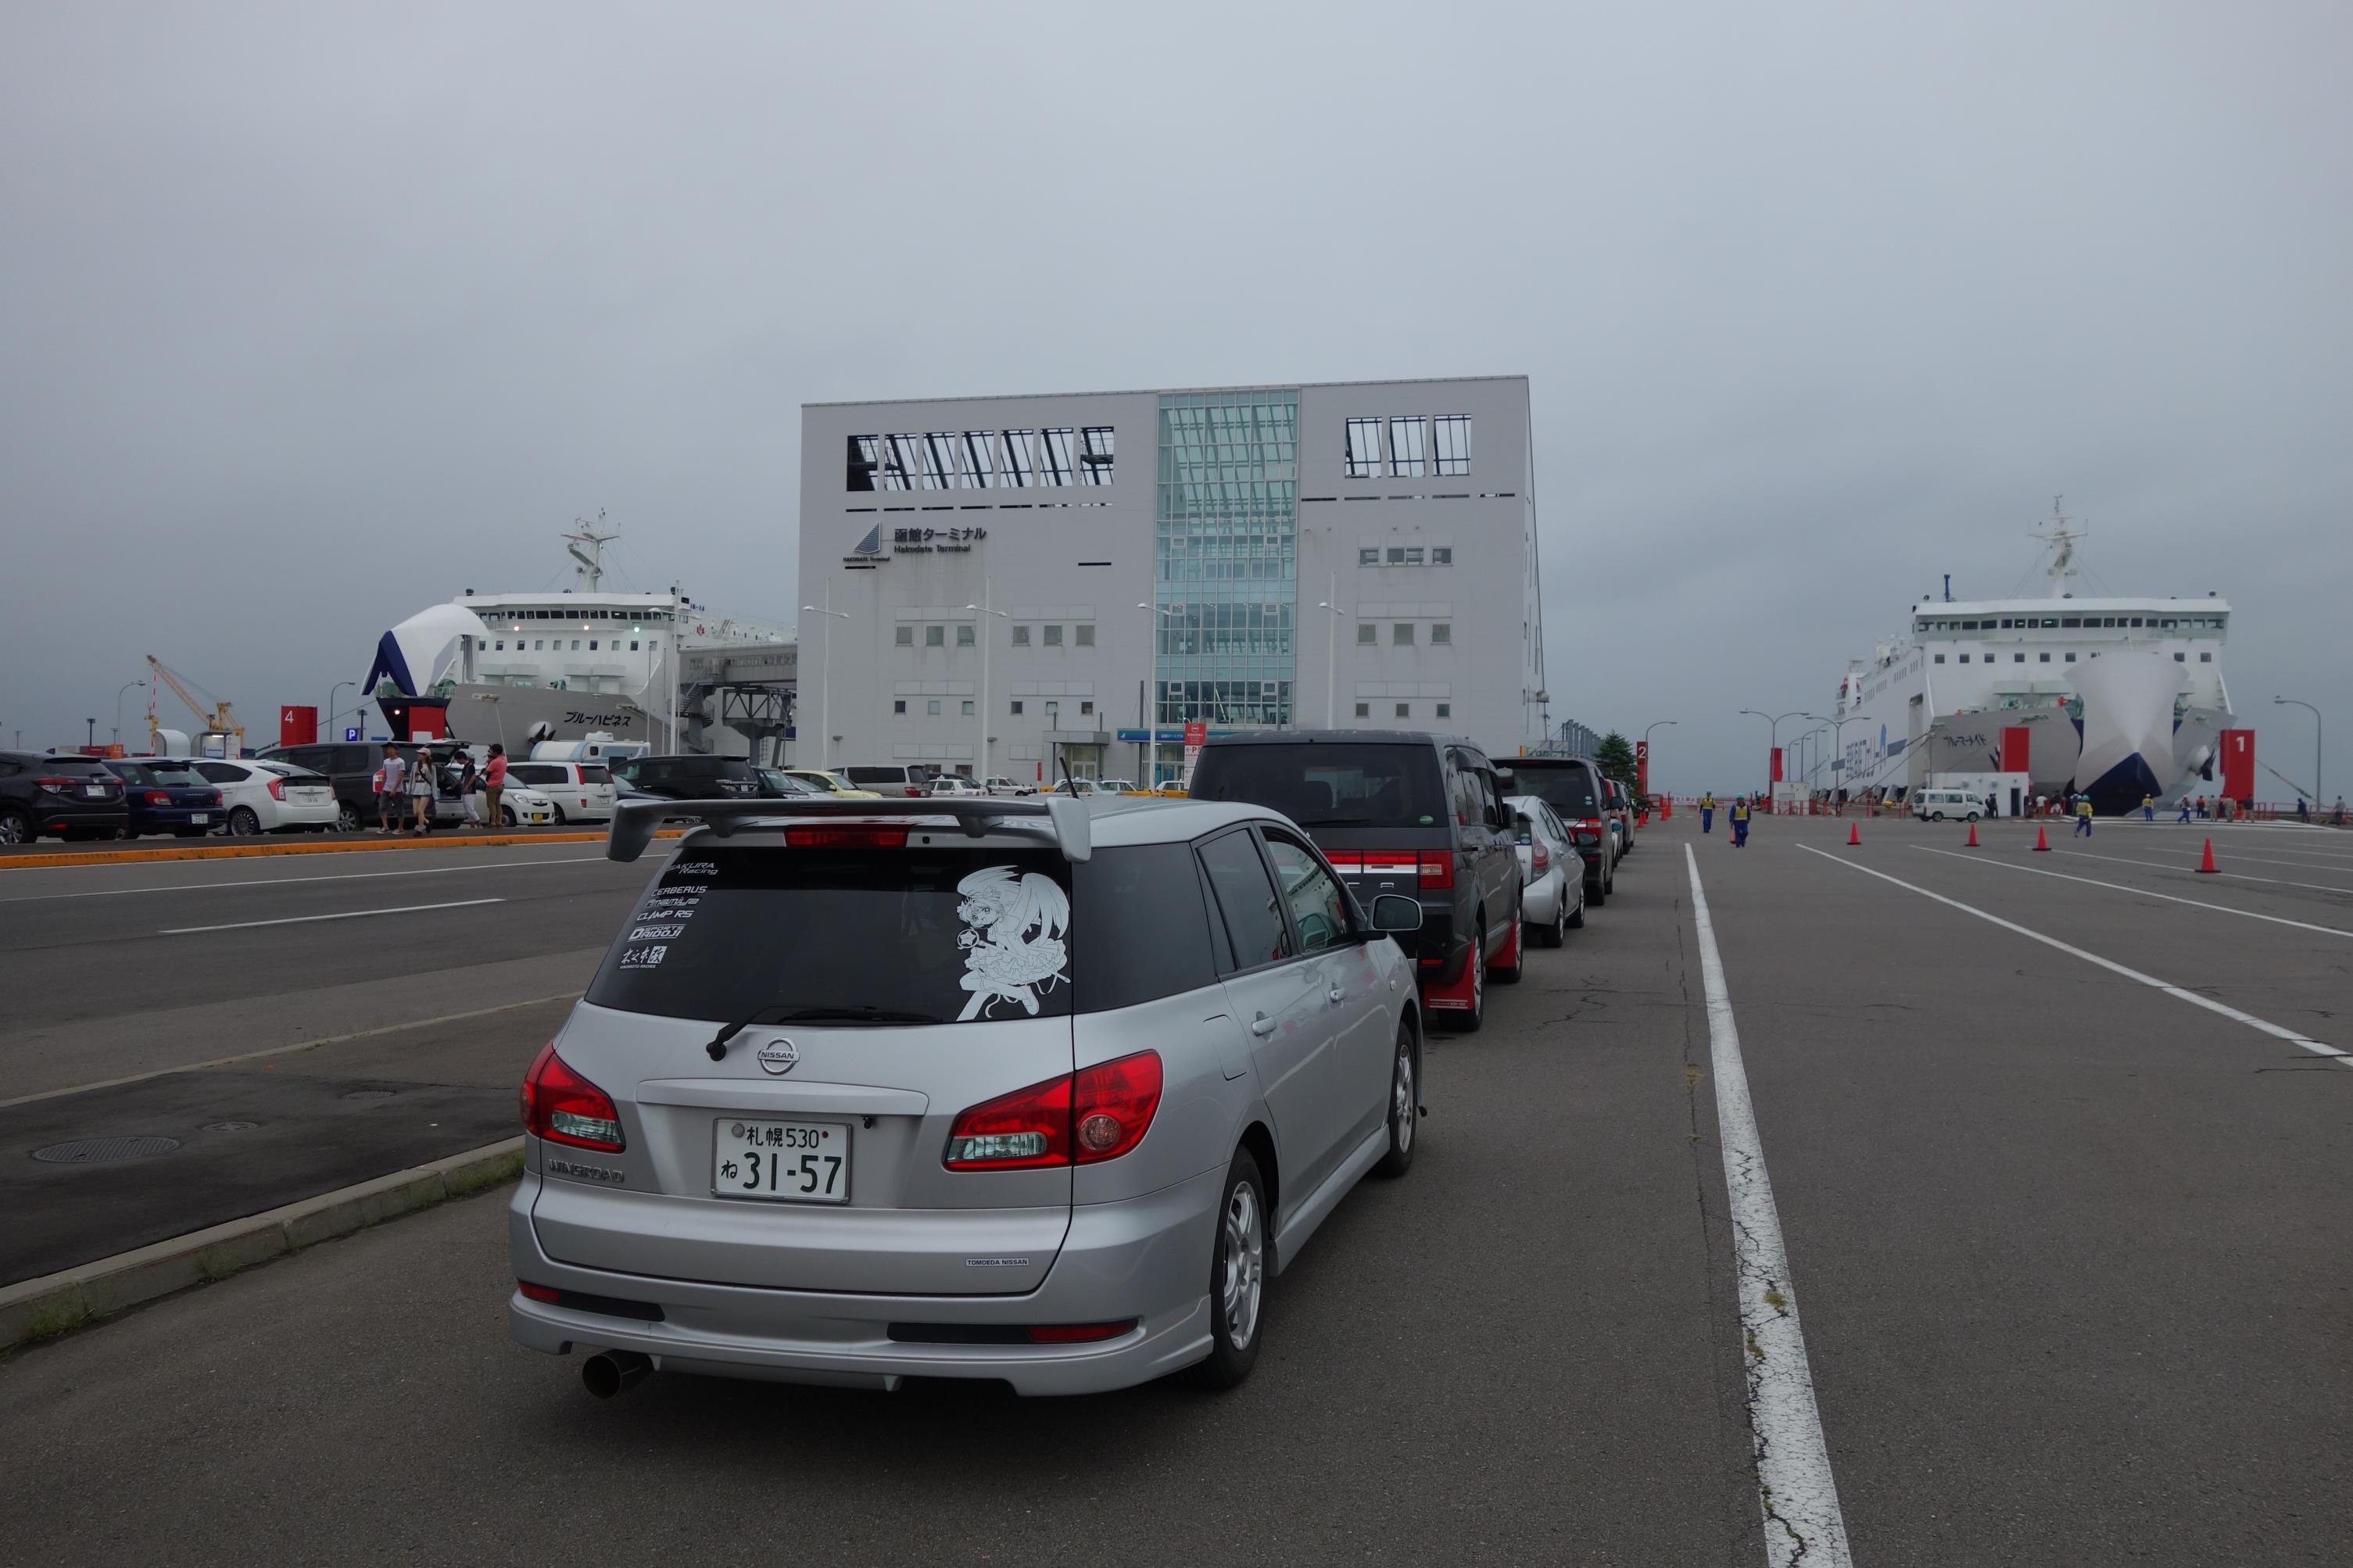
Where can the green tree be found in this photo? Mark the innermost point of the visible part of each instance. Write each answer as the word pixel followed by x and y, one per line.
pixel 1615 758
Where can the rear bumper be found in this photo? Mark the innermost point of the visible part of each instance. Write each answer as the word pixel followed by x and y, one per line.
pixel 1147 1258
pixel 74 817
pixel 1541 902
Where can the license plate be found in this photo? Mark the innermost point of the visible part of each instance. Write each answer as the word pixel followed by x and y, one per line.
pixel 197 818
pixel 781 1161
pixel 95 792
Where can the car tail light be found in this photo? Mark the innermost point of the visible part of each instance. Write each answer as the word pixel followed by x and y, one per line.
pixel 561 1107
pixel 158 797
pixel 1095 1114
pixel 66 786
pixel 277 787
pixel 1078 1333
pixel 915 794
pixel 1539 858
pixel 1346 860
pixel 1437 868
pixel 856 836
pixel 547 1293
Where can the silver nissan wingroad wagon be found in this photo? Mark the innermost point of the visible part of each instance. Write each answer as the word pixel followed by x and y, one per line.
pixel 1038 1090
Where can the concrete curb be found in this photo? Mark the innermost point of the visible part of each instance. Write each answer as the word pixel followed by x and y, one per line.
pixel 54 1304
pixel 33 861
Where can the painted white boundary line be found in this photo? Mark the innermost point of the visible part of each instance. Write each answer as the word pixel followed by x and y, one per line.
pixel 285 881
pixel 2111 965
pixel 1795 1486
pixel 2143 892
pixel 346 915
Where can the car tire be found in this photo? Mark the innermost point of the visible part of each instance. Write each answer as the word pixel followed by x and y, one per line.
pixel 559 816
pixel 15 827
pixel 347 818
pixel 1937 817
pixel 1467 1022
pixel 506 817
pixel 1597 893
pixel 1237 1279
pixel 1504 974
pixel 243 822
pixel 1973 817
pixel 1554 933
pixel 1577 921
pixel 1405 1105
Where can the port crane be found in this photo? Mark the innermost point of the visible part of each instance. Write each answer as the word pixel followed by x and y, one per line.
pixel 220 721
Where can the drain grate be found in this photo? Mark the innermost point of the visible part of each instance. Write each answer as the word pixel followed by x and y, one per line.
pixel 102 1151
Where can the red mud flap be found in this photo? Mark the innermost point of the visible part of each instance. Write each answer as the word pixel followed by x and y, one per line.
pixel 1458 998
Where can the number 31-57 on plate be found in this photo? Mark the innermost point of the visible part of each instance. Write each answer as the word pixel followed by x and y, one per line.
pixel 781 1161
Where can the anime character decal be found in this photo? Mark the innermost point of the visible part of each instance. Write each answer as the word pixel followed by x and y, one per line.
pixel 1014 925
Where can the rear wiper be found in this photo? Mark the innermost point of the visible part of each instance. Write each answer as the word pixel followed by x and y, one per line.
pixel 775 1013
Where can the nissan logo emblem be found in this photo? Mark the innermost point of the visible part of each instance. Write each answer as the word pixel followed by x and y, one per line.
pixel 779 1056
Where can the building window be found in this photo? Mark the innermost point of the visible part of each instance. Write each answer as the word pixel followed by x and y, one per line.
pixel 979 459
pixel 1446 710
pixel 899 460
pixel 1086 708
pixel 1964 658
pixel 2181 658
pixel 503 647
pixel 1397 555
pixel 1408 459
pixel 1363 710
pixel 2017 658
pixel 1405 710
pixel 932 707
pixel 1413 554
pixel 2071 659
pixel 1442 555
pixel 939 460
pixel 1442 634
pixel 592 645
pixel 1940 658
pixel 1454 444
pixel 964 634
pixel 633 646
pixel 540 645
pixel 1084 635
pixel 1094 454
pixel 1053 636
pixel 1054 456
pixel 2205 658
pixel 936 636
pixel 1020 470
pixel 900 706
pixel 1367 633
pixel 575 645
pixel 1021 636
pixel 1401 634
pixel 1368 556
pixel 2046 659
pixel 1364 448
pixel 1016 705
pixel 906 636
pixel 865 458
pixel 1053 715
pixel 966 707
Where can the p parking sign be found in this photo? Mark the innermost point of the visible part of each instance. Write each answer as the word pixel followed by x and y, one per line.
pixel 351 732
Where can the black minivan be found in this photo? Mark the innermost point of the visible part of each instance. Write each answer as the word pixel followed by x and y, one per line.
pixel 1579 796
pixel 1397 812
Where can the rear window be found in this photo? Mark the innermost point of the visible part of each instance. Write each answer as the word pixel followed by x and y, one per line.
pixel 1323 786
pixel 876 776
pixel 63 765
pixel 1568 791
pixel 159 773
pixel 594 774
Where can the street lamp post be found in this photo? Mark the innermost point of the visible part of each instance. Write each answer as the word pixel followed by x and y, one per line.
pixel 118 707
pixel 331 699
pixel 1331 645
pixel 824 677
pixel 2297 702
pixel 1838 751
pixel 980 777
pixel 1775 724
pixel 1664 723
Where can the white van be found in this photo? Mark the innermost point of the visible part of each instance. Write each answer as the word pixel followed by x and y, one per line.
pixel 1937 805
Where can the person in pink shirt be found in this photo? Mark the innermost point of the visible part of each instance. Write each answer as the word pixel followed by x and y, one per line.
pixel 494 783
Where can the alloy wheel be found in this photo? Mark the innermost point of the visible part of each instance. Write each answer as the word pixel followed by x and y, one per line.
pixel 1245 1253
pixel 13 828
pixel 1401 1097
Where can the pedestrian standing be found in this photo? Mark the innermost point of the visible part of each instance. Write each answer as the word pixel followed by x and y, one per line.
pixel 2303 810
pixel 2185 811
pixel 422 787
pixel 2149 808
pixel 469 778
pixel 1707 812
pixel 2082 816
pixel 1740 810
pixel 392 793
pixel 494 785
pixel 2340 811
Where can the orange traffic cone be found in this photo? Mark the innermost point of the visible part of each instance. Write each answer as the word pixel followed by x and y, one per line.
pixel 2042 841
pixel 2207 864
pixel 1854 833
pixel 1973 836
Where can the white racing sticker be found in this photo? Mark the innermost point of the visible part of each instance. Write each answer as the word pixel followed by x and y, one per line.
pixel 1014 924
pixel 643 958
pixel 652 933
pixel 696 869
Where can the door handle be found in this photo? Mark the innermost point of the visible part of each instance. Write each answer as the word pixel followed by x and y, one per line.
pixel 1261 1025
pixel 1336 994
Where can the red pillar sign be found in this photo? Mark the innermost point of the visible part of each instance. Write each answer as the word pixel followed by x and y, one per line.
pixel 1642 767
pixel 297 726
pixel 2016 743
pixel 2239 764
pixel 1777 765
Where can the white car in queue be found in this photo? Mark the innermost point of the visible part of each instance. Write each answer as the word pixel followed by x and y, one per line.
pixel 576 792
pixel 1552 873
pixel 268 796
pixel 1034 1091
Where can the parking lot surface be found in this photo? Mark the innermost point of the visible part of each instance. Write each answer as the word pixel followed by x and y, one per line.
pixel 2066 1220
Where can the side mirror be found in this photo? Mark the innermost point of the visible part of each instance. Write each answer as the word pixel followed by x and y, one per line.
pixel 1396 914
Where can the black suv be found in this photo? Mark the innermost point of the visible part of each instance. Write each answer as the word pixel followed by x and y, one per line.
pixel 1579 796
pixel 72 797
pixel 1397 812
pixel 691 776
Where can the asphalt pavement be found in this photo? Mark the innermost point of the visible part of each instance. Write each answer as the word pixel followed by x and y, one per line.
pixel 2067 1223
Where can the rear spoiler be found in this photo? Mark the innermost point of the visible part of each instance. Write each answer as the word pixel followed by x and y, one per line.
pixel 1063 821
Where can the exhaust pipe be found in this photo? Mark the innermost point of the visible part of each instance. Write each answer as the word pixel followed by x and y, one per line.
pixel 608 1373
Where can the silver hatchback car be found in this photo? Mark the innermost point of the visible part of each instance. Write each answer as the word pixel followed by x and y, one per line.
pixel 1034 1091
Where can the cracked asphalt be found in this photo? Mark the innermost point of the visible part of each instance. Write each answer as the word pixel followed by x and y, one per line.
pixel 2072 1256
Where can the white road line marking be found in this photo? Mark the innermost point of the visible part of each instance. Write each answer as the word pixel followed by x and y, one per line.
pixel 2176 991
pixel 2128 887
pixel 284 881
pixel 2236 859
pixel 1795 1486
pixel 287 1050
pixel 346 915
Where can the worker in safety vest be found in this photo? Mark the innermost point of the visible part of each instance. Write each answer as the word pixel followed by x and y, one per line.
pixel 2082 816
pixel 1739 814
pixel 1707 812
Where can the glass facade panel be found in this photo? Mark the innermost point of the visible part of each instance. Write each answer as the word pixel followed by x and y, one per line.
pixel 939 461
pixel 1454 444
pixel 1407 447
pixel 1227 527
pixel 1095 455
pixel 979 459
pixel 1020 470
pixel 1055 456
pixel 1364 448
pixel 898 462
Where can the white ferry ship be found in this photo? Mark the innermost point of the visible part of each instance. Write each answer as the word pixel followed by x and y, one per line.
pixel 577 661
pixel 2119 698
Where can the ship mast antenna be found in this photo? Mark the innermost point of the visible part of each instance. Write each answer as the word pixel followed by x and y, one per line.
pixel 587 547
pixel 2058 536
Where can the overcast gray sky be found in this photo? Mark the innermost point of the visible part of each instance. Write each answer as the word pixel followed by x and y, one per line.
pixel 311 315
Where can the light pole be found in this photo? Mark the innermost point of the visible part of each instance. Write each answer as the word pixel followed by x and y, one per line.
pixel 1838 751
pixel 824 677
pixel 330 699
pixel 1664 723
pixel 2297 702
pixel 1776 725
pixel 980 777
pixel 1331 645
pixel 1152 724
pixel 118 707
